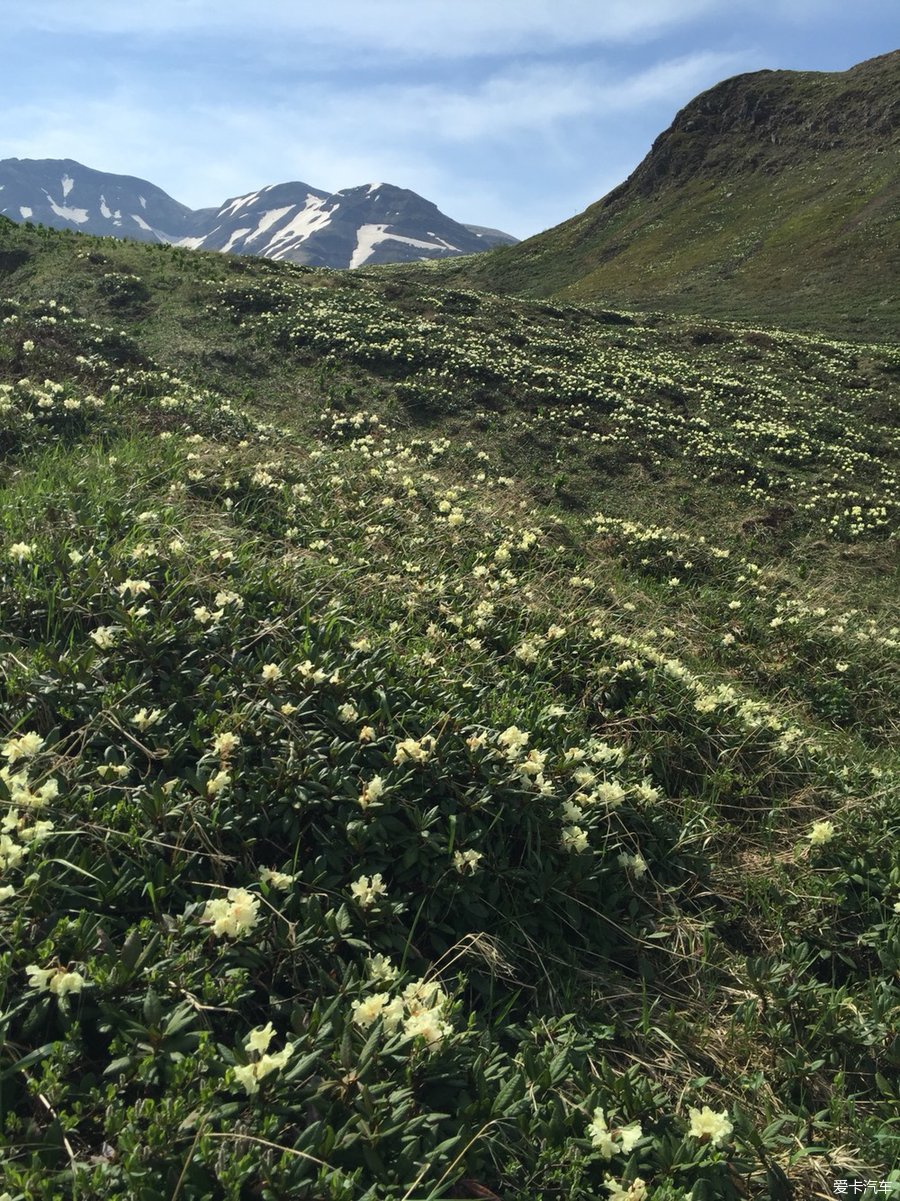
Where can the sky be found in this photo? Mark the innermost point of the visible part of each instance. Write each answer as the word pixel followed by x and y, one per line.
pixel 514 114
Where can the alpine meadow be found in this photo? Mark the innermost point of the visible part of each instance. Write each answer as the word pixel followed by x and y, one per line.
pixel 449 712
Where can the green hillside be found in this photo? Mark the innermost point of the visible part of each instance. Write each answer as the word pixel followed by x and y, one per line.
pixel 448 744
pixel 772 197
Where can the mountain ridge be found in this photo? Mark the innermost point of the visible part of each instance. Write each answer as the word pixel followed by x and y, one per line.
pixel 294 221
pixel 760 173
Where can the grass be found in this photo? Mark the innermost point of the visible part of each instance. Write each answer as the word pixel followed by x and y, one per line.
pixel 429 719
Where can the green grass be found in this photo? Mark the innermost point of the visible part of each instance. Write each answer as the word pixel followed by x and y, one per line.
pixel 567 627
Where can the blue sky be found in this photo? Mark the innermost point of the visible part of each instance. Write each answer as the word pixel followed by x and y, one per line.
pixel 511 113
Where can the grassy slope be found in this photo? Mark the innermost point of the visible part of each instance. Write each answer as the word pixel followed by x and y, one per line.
pixel 773 197
pixel 665 544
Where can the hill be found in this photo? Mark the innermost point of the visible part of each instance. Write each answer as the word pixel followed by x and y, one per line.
pixel 773 196
pixel 449 744
pixel 374 223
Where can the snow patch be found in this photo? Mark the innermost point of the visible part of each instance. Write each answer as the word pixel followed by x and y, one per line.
pixel 238 233
pixel 268 219
pixel 105 210
pixel 191 243
pixel 67 184
pixel 25 211
pixel 370 236
pixel 79 216
pixel 298 229
pixel 143 202
pixel 238 203
pixel 142 223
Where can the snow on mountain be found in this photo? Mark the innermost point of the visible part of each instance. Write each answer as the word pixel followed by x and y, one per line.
pixel 373 223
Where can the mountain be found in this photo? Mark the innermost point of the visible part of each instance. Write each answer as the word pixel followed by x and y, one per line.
pixel 66 195
pixel 374 223
pixel 772 196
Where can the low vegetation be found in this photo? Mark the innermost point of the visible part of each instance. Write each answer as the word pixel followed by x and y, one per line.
pixel 448 744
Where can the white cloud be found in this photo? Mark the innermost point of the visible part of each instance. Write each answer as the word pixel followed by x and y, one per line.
pixel 431 28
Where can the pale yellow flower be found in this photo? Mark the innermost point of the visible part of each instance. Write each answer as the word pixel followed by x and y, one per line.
pixel 367 889
pixel 233 915
pixel 259 1038
pixel 467 861
pixel 709 1126
pixel 635 1191
pixel 380 970
pixel 225 743
pixel 280 880
pixel 218 783
pixel 22 746
pixel 599 1134
pixel 367 1011
pixel 820 833
pixel 574 839
pixel 144 718
pixel 133 587
pixel 57 980
pixel 372 792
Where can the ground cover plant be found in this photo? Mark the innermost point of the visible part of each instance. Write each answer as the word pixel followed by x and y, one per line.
pixel 448 744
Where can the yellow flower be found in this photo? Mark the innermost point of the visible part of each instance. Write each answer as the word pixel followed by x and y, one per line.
pixel 104 637
pixel 233 915
pixel 821 833
pixel 56 980
pixel 367 889
pixel 366 1012
pixel 574 839
pixel 23 746
pixel 133 587
pixel 218 783
pixel 635 1191
pixel 245 1074
pixel 600 1136
pixel 708 1126
pixel 279 880
pixel 380 970
pixel 429 1025
pixel 22 551
pixel 514 741
pixel 630 1135
pixel 259 1039
pixel 271 672
pixel 372 792
pixel 144 719
pixel 409 750
pixel 467 861
pixel 225 743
